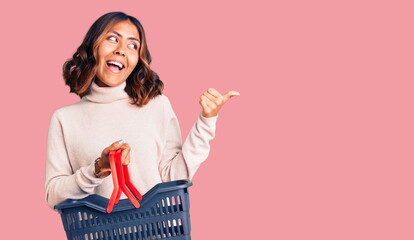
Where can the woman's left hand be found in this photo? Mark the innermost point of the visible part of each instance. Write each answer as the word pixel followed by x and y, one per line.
pixel 212 101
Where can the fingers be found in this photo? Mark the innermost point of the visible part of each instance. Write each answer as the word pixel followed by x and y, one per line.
pixel 214 96
pixel 217 98
pixel 230 94
pixel 204 105
pixel 126 149
pixel 210 109
pixel 211 101
pixel 208 102
pixel 126 158
pixel 114 146
pixel 214 92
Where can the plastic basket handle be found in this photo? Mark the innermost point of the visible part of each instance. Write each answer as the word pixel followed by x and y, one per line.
pixel 115 192
pixel 122 182
pixel 130 185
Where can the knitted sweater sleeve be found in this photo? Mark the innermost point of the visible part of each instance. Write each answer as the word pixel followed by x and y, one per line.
pixel 62 181
pixel 181 161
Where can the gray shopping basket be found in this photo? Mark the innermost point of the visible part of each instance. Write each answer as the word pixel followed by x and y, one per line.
pixel 164 214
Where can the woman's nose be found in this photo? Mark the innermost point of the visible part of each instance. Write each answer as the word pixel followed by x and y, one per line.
pixel 120 50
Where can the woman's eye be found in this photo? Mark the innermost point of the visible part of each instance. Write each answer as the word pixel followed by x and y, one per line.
pixel 114 39
pixel 133 45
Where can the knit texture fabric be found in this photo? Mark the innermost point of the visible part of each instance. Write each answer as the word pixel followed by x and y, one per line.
pixel 78 134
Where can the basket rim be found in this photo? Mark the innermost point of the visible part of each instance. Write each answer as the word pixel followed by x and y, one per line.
pixel 100 203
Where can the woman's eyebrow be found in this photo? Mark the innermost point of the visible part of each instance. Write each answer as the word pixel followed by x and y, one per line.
pixel 117 33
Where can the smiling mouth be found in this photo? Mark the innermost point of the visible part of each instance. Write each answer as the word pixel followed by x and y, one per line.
pixel 116 68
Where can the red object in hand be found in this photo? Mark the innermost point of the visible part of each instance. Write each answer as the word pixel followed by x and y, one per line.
pixel 120 178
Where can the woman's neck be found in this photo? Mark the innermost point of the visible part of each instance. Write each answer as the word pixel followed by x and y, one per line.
pixel 106 94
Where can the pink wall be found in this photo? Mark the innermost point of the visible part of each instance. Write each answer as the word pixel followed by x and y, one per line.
pixel 318 146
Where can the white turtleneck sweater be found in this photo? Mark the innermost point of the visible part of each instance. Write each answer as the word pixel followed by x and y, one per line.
pixel 79 132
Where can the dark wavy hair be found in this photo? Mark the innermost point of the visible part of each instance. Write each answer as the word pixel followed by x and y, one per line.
pixel 142 84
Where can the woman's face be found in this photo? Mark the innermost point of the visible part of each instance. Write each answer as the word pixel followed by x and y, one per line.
pixel 118 54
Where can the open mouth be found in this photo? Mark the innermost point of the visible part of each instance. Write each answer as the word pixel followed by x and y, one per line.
pixel 115 66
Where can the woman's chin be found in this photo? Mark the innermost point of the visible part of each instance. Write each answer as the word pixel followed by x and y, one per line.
pixel 108 83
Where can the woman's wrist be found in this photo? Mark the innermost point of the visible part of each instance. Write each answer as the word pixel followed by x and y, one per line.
pixel 101 172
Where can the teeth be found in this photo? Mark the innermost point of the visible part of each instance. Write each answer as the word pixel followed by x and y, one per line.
pixel 116 63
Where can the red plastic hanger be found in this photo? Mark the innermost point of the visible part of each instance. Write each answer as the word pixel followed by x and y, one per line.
pixel 122 182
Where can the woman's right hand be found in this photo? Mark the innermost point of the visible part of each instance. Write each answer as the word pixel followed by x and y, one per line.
pixel 126 158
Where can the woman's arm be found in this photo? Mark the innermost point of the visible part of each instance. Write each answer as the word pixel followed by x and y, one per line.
pixel 181 161
pixel 62 181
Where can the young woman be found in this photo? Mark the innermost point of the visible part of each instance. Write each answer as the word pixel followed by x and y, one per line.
pixel 121 98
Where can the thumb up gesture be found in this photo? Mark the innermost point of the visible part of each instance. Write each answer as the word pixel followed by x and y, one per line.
pixel 211 101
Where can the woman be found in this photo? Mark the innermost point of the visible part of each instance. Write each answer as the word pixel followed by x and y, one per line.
pixel 121 98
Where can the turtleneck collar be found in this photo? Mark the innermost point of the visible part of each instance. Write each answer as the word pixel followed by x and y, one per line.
pixel 106 94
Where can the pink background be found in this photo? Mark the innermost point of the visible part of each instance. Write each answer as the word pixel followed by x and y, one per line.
pixel 318 146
